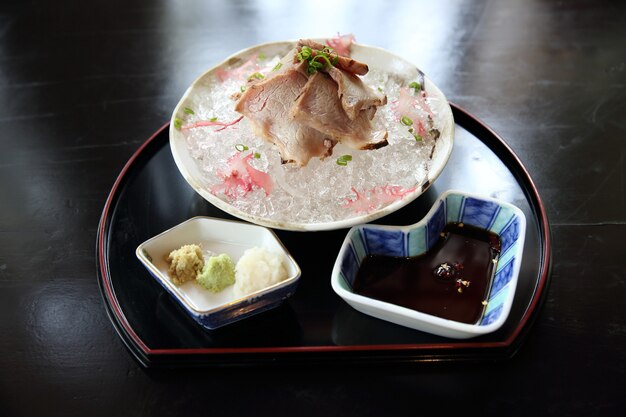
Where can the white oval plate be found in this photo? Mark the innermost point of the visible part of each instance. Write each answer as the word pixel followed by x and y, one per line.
pixel 378 60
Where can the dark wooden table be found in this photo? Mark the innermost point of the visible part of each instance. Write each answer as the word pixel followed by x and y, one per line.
pixel 84 83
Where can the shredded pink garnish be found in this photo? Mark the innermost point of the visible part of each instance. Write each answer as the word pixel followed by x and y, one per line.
pixel 244 70
pixel 341 43
pixel 210 123
pixel 405 105
pixel 420 129
pixel 359 204
pixel 241 175
pixel 379 196
pixel 408 105
pixel 421 101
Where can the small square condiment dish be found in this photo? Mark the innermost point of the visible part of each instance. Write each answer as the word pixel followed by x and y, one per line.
pixel 502 219
pixel 214 310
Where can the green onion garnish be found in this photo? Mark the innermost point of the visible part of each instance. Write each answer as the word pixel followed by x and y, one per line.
pixel 325 58
pixel 305 53
pixel 242 88
pixel 343 160
pixel 314 66
pixel 406 121
pixel 178 123
pixel 262 56
pixel 213 119
pixel 317 60
pixel 257 155
pixel 380 89
pixel 241 147
pixel 418 138
pixel 256 75
pixel 188 110
pixel 277 66
pixel 416 86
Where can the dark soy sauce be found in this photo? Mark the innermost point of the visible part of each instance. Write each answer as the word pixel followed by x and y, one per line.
pixel 452 280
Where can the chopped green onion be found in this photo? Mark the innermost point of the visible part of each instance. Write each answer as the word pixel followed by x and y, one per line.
pixel 317 60
pixel 418 138
pixel 410 130
pixel 277 66
pixel 416 86
pixel 188 110
pixel 256 75
pixel 242 88
pixel 241 147
pixel 178 123
pixel 380 89
pixel 262 56
pixel 325 58
pixel 257 155
pixel 344 159
pixel 305 53
pixel 406 121
pixel 315 66
pixel 213 119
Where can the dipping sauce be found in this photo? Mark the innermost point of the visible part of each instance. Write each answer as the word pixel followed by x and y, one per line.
pixel 452 280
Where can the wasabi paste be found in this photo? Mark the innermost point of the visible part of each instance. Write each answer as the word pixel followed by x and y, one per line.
pixel 218 273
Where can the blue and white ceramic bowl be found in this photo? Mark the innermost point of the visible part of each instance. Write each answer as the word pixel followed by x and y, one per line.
pixel 503 219
pixel 213 310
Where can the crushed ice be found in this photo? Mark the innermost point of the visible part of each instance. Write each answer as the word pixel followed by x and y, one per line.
pixel 322 191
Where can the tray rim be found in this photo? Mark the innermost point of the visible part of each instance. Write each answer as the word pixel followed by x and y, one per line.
pixel 505 348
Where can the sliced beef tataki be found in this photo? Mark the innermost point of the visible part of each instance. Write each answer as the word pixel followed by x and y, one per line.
pixel 320 108
pixel 354 94
pixel 267 105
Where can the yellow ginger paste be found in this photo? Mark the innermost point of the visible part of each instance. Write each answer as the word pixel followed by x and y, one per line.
pixel 185 263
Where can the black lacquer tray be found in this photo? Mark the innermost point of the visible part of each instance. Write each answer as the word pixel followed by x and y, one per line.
pixel 314 325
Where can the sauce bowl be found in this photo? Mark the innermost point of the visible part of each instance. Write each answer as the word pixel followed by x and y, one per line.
pixel 501 218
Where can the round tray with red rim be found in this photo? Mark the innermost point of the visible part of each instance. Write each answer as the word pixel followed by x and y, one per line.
pixel 150 196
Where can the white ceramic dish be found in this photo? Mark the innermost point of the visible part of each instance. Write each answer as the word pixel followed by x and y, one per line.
pixel 503 219
pixel 378 60
pixel 213 310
